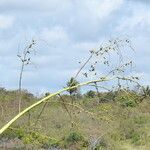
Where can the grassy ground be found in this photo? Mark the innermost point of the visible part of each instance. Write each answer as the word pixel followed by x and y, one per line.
pixel 109 125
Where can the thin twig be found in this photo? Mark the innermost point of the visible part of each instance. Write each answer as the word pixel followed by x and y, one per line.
pixel 40 113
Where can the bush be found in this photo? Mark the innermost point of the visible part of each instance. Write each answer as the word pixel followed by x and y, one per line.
pixel 11 134
pixel 75 140
pixel 90 94
pixel 33 138
pixel 74 137
pixel 126 100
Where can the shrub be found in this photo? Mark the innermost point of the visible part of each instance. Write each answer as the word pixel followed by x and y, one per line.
pixel 90 94
pixel 126 100
pixel 74 137
pixel 10 133
pixel 74 140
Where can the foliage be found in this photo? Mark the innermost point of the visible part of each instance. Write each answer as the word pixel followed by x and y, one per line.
pixel 70 83
pixel 146 91
pixel 34 138
pixel 126 99
pixel 129 125
pixel 90 94
pixel 74 137
pixel 75 140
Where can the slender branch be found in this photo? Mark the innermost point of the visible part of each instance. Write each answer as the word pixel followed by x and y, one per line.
pixel 40 113
pixel 20 86
pixel 81 109
pixel 83 65
pixel 63 103
pixel 102 87
pixel 97 90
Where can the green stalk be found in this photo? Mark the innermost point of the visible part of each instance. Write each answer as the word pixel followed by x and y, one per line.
pixel 6 126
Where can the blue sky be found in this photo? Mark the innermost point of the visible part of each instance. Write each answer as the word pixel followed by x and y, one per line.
pixel 65 31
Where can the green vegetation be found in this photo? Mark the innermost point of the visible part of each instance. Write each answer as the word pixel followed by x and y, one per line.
pixel 120 123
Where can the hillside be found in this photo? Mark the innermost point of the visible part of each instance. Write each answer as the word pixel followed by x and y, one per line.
pixel 120 122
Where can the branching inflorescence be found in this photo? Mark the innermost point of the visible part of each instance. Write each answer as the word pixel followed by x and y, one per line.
pixel 25 59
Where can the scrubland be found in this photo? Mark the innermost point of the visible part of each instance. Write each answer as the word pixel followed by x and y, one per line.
pixel 115 122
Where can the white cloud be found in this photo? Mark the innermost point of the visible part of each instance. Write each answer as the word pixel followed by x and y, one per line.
pixel 138 19
pixel 54 35
pixel 102 8
pixel 97 7
pixel 6 21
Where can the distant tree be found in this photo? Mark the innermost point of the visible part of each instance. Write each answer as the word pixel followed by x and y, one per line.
pixel 47 93
pixel 73 92
pixel 73 82
pixel 146 91
pixel 90 94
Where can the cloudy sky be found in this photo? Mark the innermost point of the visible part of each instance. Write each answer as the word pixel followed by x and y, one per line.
pixel 65 30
